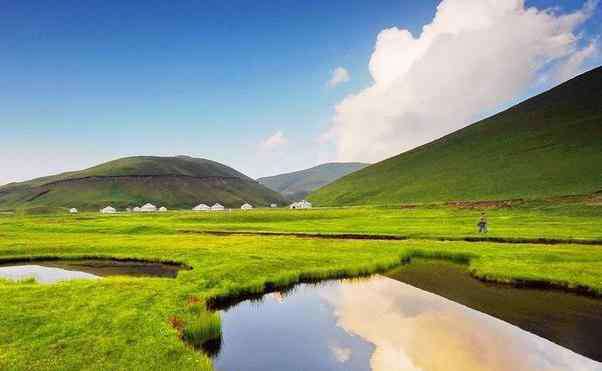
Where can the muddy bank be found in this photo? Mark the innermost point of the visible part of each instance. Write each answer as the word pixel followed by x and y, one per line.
pixel 55 269
pixel 387 237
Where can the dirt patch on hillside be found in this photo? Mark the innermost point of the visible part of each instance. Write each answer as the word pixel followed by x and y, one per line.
pixel 594 199
pixel 501 204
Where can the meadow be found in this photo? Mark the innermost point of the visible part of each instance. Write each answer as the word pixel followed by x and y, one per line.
pixel 554 219
pixel 139 323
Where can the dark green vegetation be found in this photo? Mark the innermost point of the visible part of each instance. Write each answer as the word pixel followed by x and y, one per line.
pixel 549 145
pixel 297 185
pixel 174 182
pixel 126 322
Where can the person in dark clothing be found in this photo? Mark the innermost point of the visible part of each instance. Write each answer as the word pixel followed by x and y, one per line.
pixel 482 224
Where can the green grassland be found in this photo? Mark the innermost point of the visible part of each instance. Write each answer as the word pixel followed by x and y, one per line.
pixel 546 146
pixel 571 219
pixel 138 323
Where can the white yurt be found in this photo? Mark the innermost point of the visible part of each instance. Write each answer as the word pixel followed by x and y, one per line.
pixel 136 209
pixel 108 210
pixel 148 208
pixel 162 209
pixel 217 207
pixel 305 204
pixel 246 206
pixel 301 205
pixel 273 206
pixel 201 207
pixel 73 210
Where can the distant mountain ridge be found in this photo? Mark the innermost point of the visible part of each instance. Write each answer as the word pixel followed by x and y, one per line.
pixel 298 184
pixel 177 182
pixel 549 145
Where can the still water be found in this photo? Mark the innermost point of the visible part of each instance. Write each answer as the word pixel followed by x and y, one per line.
pixel 571 320
pixel 51 271
pixel 378 323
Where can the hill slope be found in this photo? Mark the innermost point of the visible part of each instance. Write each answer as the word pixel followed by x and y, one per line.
pixel 176 182
pixel 548 145
pixel 299 184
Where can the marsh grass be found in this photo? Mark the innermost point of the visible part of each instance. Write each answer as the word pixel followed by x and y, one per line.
pixel 23 281
pixel 541 221
pixel 286 282
pixel 124 322
pixel 201 328
pixel 460 258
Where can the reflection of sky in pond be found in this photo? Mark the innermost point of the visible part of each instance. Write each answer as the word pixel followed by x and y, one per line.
pixel 379 324
pixel 296 332
pixel 42 274
pixel 49 271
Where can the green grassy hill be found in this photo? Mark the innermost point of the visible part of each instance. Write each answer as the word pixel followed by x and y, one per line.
pixel 298 184
pixel 174 182
pixel 549 145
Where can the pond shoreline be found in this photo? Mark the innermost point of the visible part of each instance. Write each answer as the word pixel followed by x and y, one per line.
pixel 239 321
pixel 224 302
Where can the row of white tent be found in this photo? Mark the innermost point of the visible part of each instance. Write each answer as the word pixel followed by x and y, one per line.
pixel 146 208
pixel 203 207
pixel 218 207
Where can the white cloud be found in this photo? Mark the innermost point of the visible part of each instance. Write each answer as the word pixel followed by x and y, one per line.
pixel 275 140
pixel 340 75
pixel 574 64
pixel 475 56
pixel 341 354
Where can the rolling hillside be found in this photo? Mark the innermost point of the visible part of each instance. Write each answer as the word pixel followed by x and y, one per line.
pixel 298 184
pixel 549 145
pixel 174 182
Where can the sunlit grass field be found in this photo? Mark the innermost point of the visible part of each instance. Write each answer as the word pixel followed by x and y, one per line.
pixel 139 323
pixel 541 219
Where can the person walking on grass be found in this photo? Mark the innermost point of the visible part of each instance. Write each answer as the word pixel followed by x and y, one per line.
pixel 482 224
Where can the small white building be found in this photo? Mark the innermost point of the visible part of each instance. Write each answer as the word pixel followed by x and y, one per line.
pixel 201 207
pixel 162 209
pixel 246 206
pixel 108 210
pixel 73 210
pixel 148 208
pixel 217 207
pixel 136 209
pixel 301 205
pixel 273 206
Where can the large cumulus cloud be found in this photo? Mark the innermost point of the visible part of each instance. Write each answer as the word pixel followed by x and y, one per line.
pixel 473 57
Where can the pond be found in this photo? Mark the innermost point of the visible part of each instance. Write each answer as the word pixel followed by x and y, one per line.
pixel 51 271
pixel 381 323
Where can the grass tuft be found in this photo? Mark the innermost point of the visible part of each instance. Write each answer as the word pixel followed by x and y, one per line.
pixel 204 327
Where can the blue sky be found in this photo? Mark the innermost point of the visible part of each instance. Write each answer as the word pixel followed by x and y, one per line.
pixel 83 82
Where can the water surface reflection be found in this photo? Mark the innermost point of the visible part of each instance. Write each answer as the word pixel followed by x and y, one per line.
pixel 571 320
pixel 50 271
pixel 379 324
